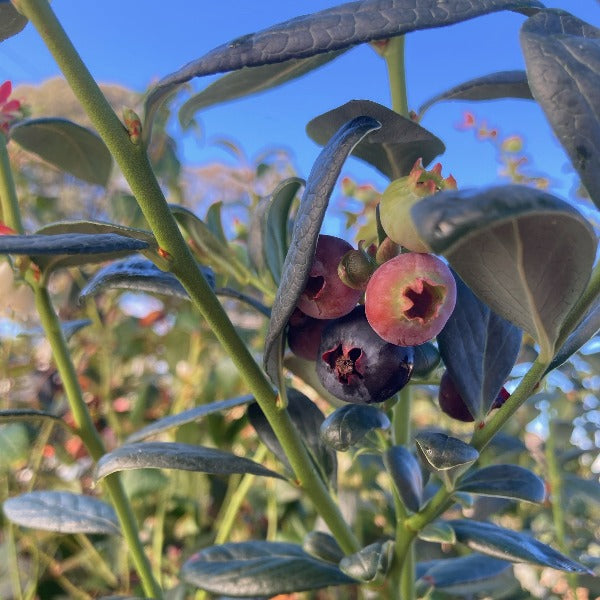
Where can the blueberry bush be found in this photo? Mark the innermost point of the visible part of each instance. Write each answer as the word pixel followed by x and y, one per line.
pixel 382 390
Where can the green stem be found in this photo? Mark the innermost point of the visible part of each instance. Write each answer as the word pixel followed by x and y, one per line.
pixel 555 481
pixel 9 203
pixel 137 170
pixel 394 58
pixel 403 572
pixel 482 437
pixel 584 302
pixel 91 438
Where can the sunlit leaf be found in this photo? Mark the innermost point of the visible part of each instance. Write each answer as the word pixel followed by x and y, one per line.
pixel 329 30
pixel 405 472
pixel 11 21
pixel 14 445
pixel 251 81
pixel 67 146
pixel 63 512
pixel 479 349
pixel 506 481
pixel 393 149
pixel 438 532
pixel 185 457
pixel 562 56
pixel 307 226
pixel 259 569
pixel 498 542
pixel 514 246
pixel 187 416
pixel 503 84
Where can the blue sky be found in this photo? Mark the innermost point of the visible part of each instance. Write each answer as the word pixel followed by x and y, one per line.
pixel 135 43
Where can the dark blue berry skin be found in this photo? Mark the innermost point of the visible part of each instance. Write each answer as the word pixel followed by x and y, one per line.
pixel 356 365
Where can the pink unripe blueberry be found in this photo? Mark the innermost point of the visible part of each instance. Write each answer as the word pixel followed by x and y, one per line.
pixel 325 295
pixel 409 298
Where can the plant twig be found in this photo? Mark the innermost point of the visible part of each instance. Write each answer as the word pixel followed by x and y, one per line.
pixel 394 58
pixel 9 203
pixel 136 168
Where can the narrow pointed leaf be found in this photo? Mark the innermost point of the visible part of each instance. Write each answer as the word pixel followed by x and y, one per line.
pixel 277 225
pixel 184 457
pixel 11 21
pixel 323 546
pixel 214 221
pixel 307 418
pixel 514 246
pixel 587 328
pixel 139 274
pixel 259 569
pixel 393 149
pixel 405 472
pixel 187 416
pixel 370 564
pixel 63 512
pixel 562 56
pixel 514 546
pixel 466 575
pixel 503 84
pixel 438 532
pixel 307 226
pixel 99 227
pixel 67 146
pixel 28 414
pixel 249 300
pixel 251 81
pixel 349 424
pixel 69 328
pixel 212 250
pixel 479 349
pixel 443 452
pixel 329 30
pixel 505 481
pixel 256 238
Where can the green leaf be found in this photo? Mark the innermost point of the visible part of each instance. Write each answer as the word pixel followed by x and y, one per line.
pixel 406 474
pixel 27 414
pixel 348 425
pixel 370 564
pixel 502 84
pixel 393 149
pixel 514 246
pixel 184 457
pixel 69 328
pixel 277 224
pixel 426 360
pixel 67 146
pixel 11 21
pixel 322 546
pixel 438 532
pixel 479 349
pixel 69 243
pixel 443 452
pixel 139 274
pixel 307 226
pixel 212 250
pixel 99 227
pixel 62 512
pixel 505 481
pixel 142 482
pixel 14 445
pixel 259 569
pixel 251 81
pixel 213 221
pixel 307 418
pixel 329 30
pixel 562 56
pixel 187 416
pixel 466 575
pixel 498 542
